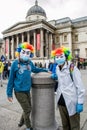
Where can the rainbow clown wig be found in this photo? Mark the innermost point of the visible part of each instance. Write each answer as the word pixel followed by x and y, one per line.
pixel 61 50
pixel 24 45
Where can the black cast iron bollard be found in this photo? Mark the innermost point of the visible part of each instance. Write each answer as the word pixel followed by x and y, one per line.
pixel 43 102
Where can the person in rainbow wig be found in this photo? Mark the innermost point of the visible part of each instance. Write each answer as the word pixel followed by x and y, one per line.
pixel 70 91
pixel 20 81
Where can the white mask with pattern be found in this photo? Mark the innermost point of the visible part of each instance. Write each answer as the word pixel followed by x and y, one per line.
pixel 25 54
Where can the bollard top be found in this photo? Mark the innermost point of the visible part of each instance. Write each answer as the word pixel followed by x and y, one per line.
pixel 42 78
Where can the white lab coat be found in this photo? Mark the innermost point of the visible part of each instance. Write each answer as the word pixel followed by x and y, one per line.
pixel 72 91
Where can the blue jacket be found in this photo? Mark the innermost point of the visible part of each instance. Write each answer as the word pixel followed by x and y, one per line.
pixel 53 67
pixel 20 77
pixel 53 70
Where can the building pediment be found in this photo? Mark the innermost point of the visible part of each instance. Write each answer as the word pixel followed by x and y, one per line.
pixel 28 26
pixel 17 26
pixel 22 25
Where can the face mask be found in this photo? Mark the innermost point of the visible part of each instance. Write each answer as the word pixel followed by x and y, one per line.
pixel 24 58
pixel 60 60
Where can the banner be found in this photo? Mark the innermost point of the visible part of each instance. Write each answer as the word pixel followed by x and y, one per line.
pixel 6 46
pixel 53 46
pixel 38 41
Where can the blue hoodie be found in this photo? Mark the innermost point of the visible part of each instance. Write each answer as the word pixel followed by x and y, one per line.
pixel 20 77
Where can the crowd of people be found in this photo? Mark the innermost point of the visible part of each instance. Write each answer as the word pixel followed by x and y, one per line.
pixel 5 67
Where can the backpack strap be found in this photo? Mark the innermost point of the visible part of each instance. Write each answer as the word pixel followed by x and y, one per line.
pixel 28 67
pixel 18 63
pixel 71 68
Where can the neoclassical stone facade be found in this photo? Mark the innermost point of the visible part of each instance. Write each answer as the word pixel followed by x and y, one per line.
pixel 52 34
pixel 29 32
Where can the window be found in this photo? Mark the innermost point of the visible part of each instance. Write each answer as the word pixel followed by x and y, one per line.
pixel 57 39
pixel 37 17
pixel 65 38
pixel 76 53
pixel 76 37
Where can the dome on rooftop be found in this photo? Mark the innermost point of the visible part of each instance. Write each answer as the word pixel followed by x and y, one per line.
pixel 36 10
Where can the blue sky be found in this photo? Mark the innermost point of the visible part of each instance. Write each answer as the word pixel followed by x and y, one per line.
pixel 14 11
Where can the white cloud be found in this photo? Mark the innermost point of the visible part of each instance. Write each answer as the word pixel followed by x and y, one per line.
pixel 13 11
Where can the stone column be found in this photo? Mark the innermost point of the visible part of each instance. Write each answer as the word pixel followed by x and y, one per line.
pixel 17 38
pixel 34 43
pixel 7 42
pixel 70 41
pixel 28 37
pixel 50 43
pixel 12 41
pixel 43 103
pixel 22 37
pixel 41 41
pixel 47 48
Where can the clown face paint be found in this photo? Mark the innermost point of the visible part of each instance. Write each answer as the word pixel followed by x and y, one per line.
pixel 60 59
pixel 25 54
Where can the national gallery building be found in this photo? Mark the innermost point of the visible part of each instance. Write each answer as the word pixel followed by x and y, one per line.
pixel 46 35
